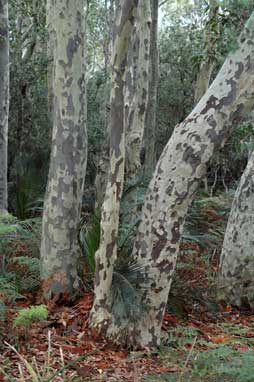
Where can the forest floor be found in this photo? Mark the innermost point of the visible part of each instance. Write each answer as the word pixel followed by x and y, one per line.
pixel 203 338
pixel 199 343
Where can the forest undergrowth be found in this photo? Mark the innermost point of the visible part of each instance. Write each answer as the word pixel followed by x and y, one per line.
pixel 204 338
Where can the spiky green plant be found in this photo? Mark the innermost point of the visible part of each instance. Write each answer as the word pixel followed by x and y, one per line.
pixel 126 299
pixel 89 239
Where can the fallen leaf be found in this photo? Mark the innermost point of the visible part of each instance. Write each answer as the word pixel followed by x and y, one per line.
pixel 220 339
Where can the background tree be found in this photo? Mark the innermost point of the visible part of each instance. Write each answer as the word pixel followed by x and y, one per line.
pixel 29 127
pixel 236 261
pixel 4 102
pixel 210 50
pixel 150 122
pixel 62 206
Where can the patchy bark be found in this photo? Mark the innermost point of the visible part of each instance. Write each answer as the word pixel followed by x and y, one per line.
pixel 107 252
pixel 137 82
pixel 179 170
pixel 237 257
pixel 61 215
pixel 4 102
pixel 150 123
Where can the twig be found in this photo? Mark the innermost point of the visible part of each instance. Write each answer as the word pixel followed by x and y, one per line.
pixel 187 360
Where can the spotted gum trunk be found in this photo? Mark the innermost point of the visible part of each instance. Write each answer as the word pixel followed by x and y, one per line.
pixel 183 163
pixel 107 252
pixel 136 100
pixel 61 215
pixel 4 102
pixel 150 122
pixel 237 258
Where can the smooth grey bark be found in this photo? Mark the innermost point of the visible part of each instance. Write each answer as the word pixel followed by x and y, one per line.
pixel 150 122
pixel 182 165
pixel 59 248
pixel 4 103
pixel 236 268
pixel 107 252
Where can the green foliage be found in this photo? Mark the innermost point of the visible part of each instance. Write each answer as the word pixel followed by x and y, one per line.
pixel 27 271
pixel 2 310
pixel 18 273
pixel 89 240
pixel 224 363
pixel 27 316
pixel 206 220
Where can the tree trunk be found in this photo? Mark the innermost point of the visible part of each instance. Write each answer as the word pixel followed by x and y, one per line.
pixel 237 257
pixel 61 215
pixel 179 170
pixel 210 48
pixel 107 252
pixel 136 105
pixel 101 178
pixel 150 124
pixel 4 102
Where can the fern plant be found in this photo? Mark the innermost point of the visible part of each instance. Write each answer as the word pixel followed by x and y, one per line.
pixel 27 316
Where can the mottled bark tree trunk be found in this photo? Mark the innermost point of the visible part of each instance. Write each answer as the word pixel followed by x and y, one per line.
pixel 4 102
pixel 61 215
pixel 50 64
pixel 210 47
pixel 237 257
pixel 136 105
pixel 103 164
pixel 179 170
pixel 150 123
pixel 107 252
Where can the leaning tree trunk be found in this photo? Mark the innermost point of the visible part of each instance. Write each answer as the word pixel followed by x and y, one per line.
pixel 237 257
pixel 4 102
pixel 61 215
pixel 179 170
pixel 107 252
pixel 150 123
pixel 136 106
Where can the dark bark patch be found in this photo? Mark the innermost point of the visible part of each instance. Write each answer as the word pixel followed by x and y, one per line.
pixel 210 104
pixel 175 232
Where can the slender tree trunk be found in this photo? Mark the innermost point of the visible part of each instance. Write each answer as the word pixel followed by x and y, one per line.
pixel 138 107
pixel 237 257
pixel 210 47
pixel 61 215
pixel 4 102
pixel 50 64
pixel 179 170
pixel 107 252
pixel 150 123
pixel 103 164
